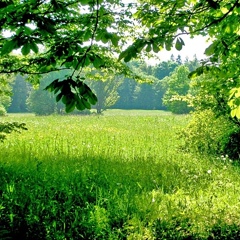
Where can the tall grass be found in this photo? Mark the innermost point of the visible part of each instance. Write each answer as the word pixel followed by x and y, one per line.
pixel 116 176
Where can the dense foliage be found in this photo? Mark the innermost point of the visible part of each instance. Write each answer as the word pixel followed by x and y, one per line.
pixel 177 87
pixel 105 85
pixel 115 91
pixel 55 35
pixel 208 134
pixel 20 91
pixel 5 93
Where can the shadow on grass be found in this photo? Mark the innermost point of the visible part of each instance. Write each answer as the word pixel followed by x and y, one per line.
pixel 91 198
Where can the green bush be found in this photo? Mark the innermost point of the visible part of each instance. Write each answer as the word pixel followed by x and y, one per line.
pixel 178 106
pixel 209 134
pixel 41 102
pixel 3 111
pixel 222 231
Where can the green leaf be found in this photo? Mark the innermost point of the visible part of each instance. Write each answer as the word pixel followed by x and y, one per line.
pixel 64 99
pixel 79 105
pixel 92 98
pixel 34 47
pixel 235 112
pixel 86 103
pixel 98 37
pixel 75 63
pixel 58 6
pixel 114 40
pixel 52 85
pixel 168 46
pixel 211 49
pixel 193 74
pixel 237 93
pixel 200 70
pixel 69 98
pixel 155 48
pixel 98 62
pixel 196 73
pixel 28 31
pixel 104 38
pixel 122 55
pixel 87 35
pixel 8 46
pixel 139 45
pixel 232 92
pixel 179 44
pixel 48 25
pixel 70 106
pixel 84 2
pixel 26 49
pixel 238 112
pixel 128 58
pixel 58 97
pixel 87 61
pixel 82 89
pixel 148 48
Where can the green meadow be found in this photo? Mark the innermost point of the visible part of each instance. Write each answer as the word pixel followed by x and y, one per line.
pixel 121 175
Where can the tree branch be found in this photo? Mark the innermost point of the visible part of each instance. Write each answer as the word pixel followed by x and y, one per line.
pixel 219 19
pixel 83 59
pixel 20 70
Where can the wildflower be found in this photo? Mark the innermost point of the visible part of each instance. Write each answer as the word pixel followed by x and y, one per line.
pixel 209 171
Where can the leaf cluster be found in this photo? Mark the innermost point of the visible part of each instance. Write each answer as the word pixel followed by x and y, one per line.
pixel 74 94
pixel 56 35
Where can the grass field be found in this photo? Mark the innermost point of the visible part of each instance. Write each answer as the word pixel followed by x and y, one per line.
pixel 121 175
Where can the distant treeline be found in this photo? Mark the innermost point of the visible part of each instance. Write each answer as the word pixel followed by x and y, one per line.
pixel 130 93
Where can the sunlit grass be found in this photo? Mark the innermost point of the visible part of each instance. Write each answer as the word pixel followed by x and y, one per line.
pixel 114 176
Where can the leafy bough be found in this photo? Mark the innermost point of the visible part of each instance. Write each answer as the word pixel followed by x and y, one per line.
pixel 73 93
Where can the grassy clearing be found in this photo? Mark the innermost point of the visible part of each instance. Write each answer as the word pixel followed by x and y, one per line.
pixel 116 176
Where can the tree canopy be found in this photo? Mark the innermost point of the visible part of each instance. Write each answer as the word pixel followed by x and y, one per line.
pixel 72 34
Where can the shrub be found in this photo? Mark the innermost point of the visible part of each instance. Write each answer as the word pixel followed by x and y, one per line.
pixel 224 231
pixel 178 106
pixel 41 102
pixel 232 146
pixel 209 134
pixel 3 111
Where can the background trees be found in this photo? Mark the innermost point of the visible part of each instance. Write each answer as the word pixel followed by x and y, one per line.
pixel 113 91
pixel 20 91
pixel 5 92
pixel 105 86
pixel 41 102
pixel 177 87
